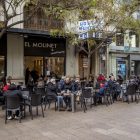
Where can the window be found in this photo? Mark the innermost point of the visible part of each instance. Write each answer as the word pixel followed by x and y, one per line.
pixel 119 40
pixel 40 21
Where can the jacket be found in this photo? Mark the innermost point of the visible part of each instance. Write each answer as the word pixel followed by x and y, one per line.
pixel 12 92
pixel 113 85
pixel 75 85
pixel 61 83
pixel 102 90
pixel 52 91
pixel 132 83
pixel 100 78
pixel 120 80
pixel 30 84
pixel 68 86
pixel 6 88
pixel 91 78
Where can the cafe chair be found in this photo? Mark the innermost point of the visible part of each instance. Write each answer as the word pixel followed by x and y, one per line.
pixel 130 92
pixel 12 104
pixel 26 97
pixel 36 102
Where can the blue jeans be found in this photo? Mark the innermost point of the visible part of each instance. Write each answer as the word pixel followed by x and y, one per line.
pixel 121 95
pixel 60 100
pixel 91 84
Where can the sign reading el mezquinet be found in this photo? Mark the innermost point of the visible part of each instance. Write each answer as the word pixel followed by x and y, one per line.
pixel 44 47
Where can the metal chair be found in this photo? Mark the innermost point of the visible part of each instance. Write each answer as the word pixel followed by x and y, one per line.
pixel 86 93
pixel 130 92
pixel 12 104
pixel 36 102
pixel 26 97
pixel 106 95
pixel 30 89
pixel 49 99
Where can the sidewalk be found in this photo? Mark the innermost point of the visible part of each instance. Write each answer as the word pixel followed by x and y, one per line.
pixel 120 121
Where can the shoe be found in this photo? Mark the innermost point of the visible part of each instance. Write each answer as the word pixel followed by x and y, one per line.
pixel 67 108
pixel 94 104
pixel 120 99
pixel 126 101
pixel 16 117
pixel 9 118
pixel 61 108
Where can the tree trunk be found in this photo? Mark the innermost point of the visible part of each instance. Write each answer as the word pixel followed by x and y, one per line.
pixel 88 72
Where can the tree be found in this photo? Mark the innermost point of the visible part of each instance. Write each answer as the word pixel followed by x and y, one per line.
pixel 12 9
pixel 104 18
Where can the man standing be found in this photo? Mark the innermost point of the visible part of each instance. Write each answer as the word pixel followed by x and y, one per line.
pixel 67 98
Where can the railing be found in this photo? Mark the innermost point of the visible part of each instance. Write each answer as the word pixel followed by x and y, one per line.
pixel 43 24
pixel 122 48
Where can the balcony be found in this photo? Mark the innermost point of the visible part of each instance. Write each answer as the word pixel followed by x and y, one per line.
pixel 43 24
pixel 113 48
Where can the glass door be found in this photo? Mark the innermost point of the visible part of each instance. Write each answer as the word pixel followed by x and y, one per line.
pixel 2 69
pixel 54 67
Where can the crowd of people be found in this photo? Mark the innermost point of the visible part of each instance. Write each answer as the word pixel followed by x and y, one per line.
pixel 103 83
pixel 65 86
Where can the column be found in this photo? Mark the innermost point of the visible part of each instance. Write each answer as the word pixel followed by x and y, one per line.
pixel 15 58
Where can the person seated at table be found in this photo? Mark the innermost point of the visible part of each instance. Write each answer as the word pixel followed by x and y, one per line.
pixel 30 83
pixel 13 92
pixel 91 80
pixel 45 80
pixel 102 84
pixel 119 79
pixel 100 93
pixel 132 82
pixel 52 91
pixel 76 84
pixel 62 81
pixel 101 78
pixel 67 98
pixel 41 83
pixel 8 83
pixel 115 86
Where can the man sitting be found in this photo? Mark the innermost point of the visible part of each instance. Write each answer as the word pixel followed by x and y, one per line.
pixel 67 98
pixel 100 93
pixel 75 84
pixel 52 91
pixel 115 86
pixel 132 82
pixel 91 80
pixel 13 92
pixel 62 81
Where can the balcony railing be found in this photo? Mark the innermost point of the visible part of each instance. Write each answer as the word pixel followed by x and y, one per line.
pixel 43 24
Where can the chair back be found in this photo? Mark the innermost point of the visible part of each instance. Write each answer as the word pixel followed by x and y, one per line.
pixel 86 93
pixel 40 91
pixel 25 94
pixel 12 102
pixel 30 89
pixel 21 83
pixel 107 92
pixel 36 99
pixel 131 90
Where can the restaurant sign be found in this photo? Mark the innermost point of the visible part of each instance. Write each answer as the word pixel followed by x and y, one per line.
pixel 40 47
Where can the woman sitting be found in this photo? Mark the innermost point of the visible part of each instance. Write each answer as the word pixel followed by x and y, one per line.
pixel 30 83
pixel 41 83
pixel 52 90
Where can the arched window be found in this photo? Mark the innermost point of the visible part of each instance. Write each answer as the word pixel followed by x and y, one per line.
pixel 40 21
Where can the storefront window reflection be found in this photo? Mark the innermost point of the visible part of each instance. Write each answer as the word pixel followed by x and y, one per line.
pixel 55 67
pixel 2 69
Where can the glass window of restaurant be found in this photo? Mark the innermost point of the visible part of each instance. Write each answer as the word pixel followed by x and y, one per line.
pixel 2 69
pixel 44 58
